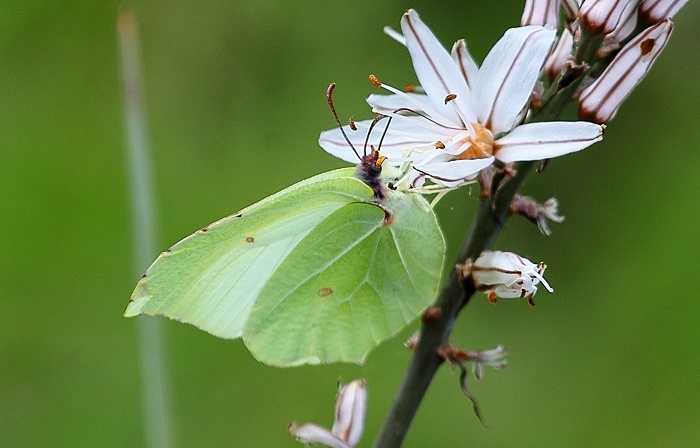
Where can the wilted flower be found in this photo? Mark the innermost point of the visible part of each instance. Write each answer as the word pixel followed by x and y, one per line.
pixel 350 410
pixel 465 120
pixel 493 358
pixel 507 275
pixel 537 213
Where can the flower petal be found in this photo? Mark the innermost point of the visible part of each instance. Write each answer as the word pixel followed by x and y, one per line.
pixel 311 433
pixel 417 102
pixel 404 132
pixel 466 63
pixel 398 37
pixel 508 75
pixel 538 141
pixel 453 173
pixel 436 71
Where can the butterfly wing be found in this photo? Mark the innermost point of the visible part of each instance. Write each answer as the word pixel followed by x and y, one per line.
pixel 352 282
pixel 212 278
pixel 317 273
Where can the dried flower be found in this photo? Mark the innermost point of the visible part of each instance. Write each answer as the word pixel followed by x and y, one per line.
pixel 537 213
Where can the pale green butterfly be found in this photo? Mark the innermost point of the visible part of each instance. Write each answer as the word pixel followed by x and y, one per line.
pixel 321 272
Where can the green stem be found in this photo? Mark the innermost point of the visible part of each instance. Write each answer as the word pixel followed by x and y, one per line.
pixel 156 412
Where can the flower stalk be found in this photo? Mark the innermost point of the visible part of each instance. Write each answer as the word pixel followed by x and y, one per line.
pixel 486 225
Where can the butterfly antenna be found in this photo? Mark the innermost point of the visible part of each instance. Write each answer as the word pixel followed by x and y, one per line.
pixel 329 97
pixel 386 129
pixel 376 120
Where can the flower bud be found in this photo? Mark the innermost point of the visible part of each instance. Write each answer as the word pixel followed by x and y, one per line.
pixel 571 9
pixel 541 12
pixel 599 101
pixel 658 10
pixel 602 16
pixel 350 409
pixel 625 26
pixel 560 54
pixel 507 275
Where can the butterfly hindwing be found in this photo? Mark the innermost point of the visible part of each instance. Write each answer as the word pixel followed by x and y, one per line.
pixel 361 278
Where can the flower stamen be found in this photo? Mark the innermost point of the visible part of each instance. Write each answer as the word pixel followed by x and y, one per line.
pixel 481 144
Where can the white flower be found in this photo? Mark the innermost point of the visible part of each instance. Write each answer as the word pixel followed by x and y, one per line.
pixel 468 116
pixel 507 275
pixel 349 423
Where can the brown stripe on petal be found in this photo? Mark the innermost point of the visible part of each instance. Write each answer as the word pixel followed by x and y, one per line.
pixel 487 120
pixel 461 49
pixel 425 53
pixel 498 147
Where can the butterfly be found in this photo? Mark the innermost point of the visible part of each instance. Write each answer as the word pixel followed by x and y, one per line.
pixel 320 272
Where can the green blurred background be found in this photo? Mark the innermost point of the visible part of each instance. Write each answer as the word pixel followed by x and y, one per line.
pixel 235 98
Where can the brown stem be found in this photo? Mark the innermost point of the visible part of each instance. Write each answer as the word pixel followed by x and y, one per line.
pixel 455 295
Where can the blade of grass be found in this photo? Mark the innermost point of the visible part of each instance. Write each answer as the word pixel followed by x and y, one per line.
pixel 154 380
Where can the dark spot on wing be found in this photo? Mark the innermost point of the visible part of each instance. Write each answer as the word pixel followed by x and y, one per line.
pixel 239 215
pixel 323 292
pixel 249 239
pixel 204 229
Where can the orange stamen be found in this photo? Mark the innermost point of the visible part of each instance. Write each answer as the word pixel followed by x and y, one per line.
pixel 481 145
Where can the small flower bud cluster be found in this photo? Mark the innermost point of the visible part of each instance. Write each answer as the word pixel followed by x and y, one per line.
pixel 628 57
pixel 625 54
pixel 349 423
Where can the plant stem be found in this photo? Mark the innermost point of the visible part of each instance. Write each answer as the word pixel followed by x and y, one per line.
pixel 156 412
pixel 486 226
